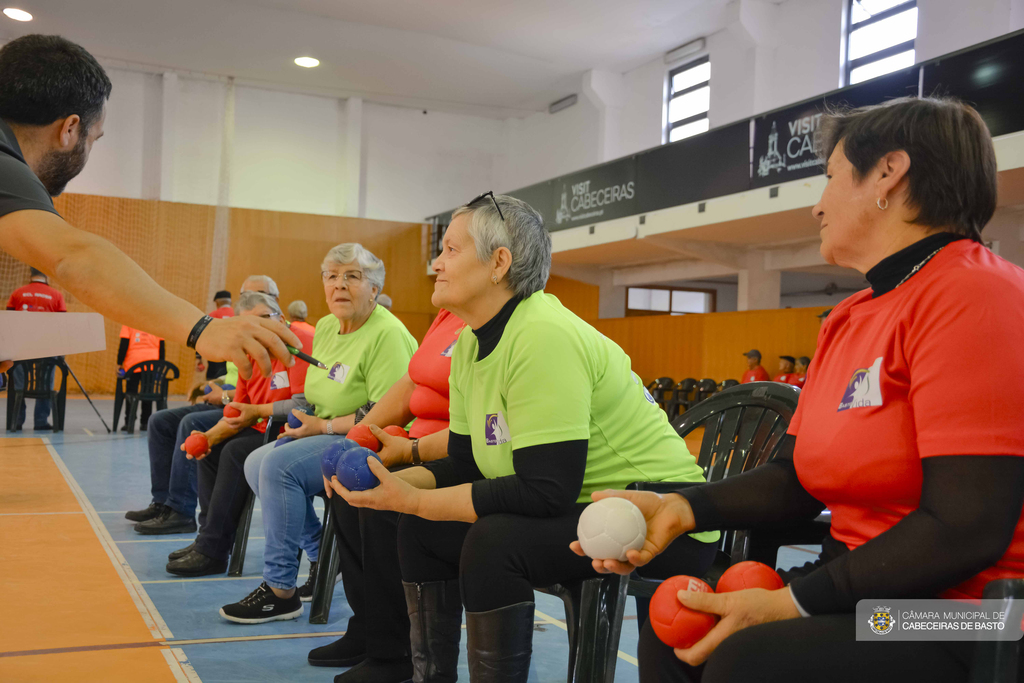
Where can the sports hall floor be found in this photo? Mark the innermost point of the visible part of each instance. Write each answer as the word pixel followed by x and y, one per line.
pixel 87 599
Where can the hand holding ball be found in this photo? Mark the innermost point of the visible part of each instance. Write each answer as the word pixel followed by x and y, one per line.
pixel 610 527
pixel 362 435
pixel 745 575
pixel 675 624
pixel 207 389
pixel 353 472
pixel 197 445
pixel 395 430
pixel 329 458
pixel 295 422
pixel 120 372
pixel 231 412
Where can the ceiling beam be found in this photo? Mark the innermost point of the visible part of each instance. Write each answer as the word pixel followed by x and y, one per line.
pixel 666 272
pixel 715 252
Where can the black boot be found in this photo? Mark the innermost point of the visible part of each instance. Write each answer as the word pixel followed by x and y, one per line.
pixel 499 644
pixel 435 628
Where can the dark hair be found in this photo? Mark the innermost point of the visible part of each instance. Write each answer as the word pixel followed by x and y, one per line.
pixel 46 78
pixel 952 172
pixel 804 361
pixel 33 272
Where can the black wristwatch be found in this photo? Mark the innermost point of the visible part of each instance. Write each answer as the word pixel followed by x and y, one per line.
pixel 416 452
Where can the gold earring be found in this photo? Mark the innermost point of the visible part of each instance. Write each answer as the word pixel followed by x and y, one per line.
pixel 494 279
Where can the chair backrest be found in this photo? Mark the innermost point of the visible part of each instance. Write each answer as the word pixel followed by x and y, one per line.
pixel 35 371
pixel 743 426
pixel 729 383
pixel 705 388
pixel 153 377
pixel 659 389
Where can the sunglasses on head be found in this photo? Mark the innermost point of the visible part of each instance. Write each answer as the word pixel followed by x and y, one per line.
pixel 489 193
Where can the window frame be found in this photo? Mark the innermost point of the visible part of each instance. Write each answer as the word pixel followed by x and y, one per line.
pixel 848 65
pixel 670 95
pixel 637 312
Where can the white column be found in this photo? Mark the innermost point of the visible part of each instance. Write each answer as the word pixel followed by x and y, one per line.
pixel 611 302
pixel 604 90
pixel 168 126
pixel 352 196
pixel 759 288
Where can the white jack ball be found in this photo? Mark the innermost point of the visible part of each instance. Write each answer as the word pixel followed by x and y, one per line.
pixel 610 527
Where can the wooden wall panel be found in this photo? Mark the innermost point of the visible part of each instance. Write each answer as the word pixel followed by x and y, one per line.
pixel 578 297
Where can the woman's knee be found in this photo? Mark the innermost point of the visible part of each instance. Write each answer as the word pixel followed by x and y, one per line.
pixel 491 546
pixel 252 467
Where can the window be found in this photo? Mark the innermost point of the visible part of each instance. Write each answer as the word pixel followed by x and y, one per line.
pixel 669 301
pixel 880 38
pixel 689 99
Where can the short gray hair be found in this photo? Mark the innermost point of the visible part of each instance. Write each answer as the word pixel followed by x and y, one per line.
pixel 250 300
pixel 353 252
pixel 268 284
pixel 297 309
pixel 522 233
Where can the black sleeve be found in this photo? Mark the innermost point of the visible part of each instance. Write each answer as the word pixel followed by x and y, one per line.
pixel 969 510
pixel 767 494
pixel 20 189
pixel 547 482
pixel 459 467
pixel 162 350
pixel 122 351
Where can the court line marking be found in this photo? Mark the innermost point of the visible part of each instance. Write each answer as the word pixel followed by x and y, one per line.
pixel 87 431
pixel 548 619
pixel 167 540
pixel 803 550
pixel 178 662
pixel 167 643
pixel 147 610
pixel 214 578
pixel 33 514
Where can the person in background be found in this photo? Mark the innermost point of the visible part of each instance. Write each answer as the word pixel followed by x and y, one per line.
pixel 137 347
pixel 801 372
pixel 298 312
pixel 222 300
pixel 754 373
pixel 385 301
pixel 786 367
pixel 37 295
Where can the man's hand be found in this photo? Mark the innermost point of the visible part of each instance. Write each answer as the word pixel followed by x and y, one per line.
pixel 667 516
pixel 249 415
pixel 394 449
pixel 201 455
pixel 236 339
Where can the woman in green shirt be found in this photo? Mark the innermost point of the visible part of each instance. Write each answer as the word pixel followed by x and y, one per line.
pixel 544 411
pixel 366 349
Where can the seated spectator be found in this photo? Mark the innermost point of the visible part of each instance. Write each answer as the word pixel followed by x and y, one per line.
pixel 378 630
pixel 298 312
pixel 925 492
pixel 253 283
pixel 137 347
pixel 786 367
pixel 754 373
pixel 801 372
pixel 222 487
pixel 367 350
pixel 385 301
pixel 222 300
pixel 544 410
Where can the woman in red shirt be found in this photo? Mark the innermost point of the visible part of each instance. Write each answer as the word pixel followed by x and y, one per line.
pixel 376 642
pixel 917 457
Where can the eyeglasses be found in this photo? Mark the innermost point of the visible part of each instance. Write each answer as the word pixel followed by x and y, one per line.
pixel 489 193
pixel 347 277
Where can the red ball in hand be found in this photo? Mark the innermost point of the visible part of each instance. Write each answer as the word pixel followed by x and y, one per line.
pixel 197 444
pixel 231 412
pixel 362 435
pixel 673 623
pixel 749 575
pixel 395 430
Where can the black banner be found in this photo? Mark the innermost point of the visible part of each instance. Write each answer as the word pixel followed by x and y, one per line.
pixel 596 194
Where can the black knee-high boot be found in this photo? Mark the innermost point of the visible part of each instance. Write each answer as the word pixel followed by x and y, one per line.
pixel 500 644
pixel 435 629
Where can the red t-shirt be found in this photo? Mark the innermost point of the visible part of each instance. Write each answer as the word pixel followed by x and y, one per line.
pixel 142 346
pixel 786 378
pixel 222 312
pixel 37 296
pixel 798 380
pixel 303 326
pixel 282 384
pixel 429 370
pixel 889 387
pixel 758 374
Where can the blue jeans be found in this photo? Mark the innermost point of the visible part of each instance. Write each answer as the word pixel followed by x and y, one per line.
pixel 42 408
pixel 172 476
pixel 285 480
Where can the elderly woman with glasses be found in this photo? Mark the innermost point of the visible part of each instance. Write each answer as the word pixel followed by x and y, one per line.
pixel 222 487
pixel 366 349
pixel 544 410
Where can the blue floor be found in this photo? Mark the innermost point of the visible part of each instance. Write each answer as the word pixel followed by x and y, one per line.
pixel 113 471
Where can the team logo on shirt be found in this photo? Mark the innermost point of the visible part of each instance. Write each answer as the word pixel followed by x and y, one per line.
pixel 496 429
pixel 864 389
pixel 339 372
pixel 280 380
pixel 447 353
pixel 882 621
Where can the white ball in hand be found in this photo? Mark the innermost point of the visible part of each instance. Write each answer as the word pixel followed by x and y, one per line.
pixel 610 527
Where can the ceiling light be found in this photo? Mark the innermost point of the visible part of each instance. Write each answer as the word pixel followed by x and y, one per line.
pixel 308 62
pixel 18 14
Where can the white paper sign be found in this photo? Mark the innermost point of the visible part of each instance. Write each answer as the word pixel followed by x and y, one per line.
pixel 30 334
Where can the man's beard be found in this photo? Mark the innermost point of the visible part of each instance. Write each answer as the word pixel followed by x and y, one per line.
pixel 58 168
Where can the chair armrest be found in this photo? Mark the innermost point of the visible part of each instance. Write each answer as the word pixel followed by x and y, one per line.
pixel 662 486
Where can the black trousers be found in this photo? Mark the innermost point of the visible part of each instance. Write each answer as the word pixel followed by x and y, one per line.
pixel 810 650
pixel 501 558
pixel 368 546
pixel 223 491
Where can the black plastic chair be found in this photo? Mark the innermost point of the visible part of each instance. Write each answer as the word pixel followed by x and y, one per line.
pixel 154 384
pixel 705 388
pixel 660 390
pixel 682 398
pixel 728 383
pixel 328 560
pixel 241 542
pixel 743 428
pixel 35 387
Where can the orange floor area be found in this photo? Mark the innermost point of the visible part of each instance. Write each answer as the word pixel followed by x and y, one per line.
pixel 61 589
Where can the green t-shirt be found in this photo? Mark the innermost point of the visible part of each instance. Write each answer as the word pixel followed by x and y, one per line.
pixel 232 374
pixel 554 378
pixel 362 365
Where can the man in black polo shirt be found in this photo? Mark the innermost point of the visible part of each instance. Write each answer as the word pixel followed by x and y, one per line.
pixel 53 97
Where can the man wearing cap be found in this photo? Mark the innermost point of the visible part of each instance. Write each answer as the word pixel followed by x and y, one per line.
pixel 754 373
pixel 786 374
pixel 801 371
